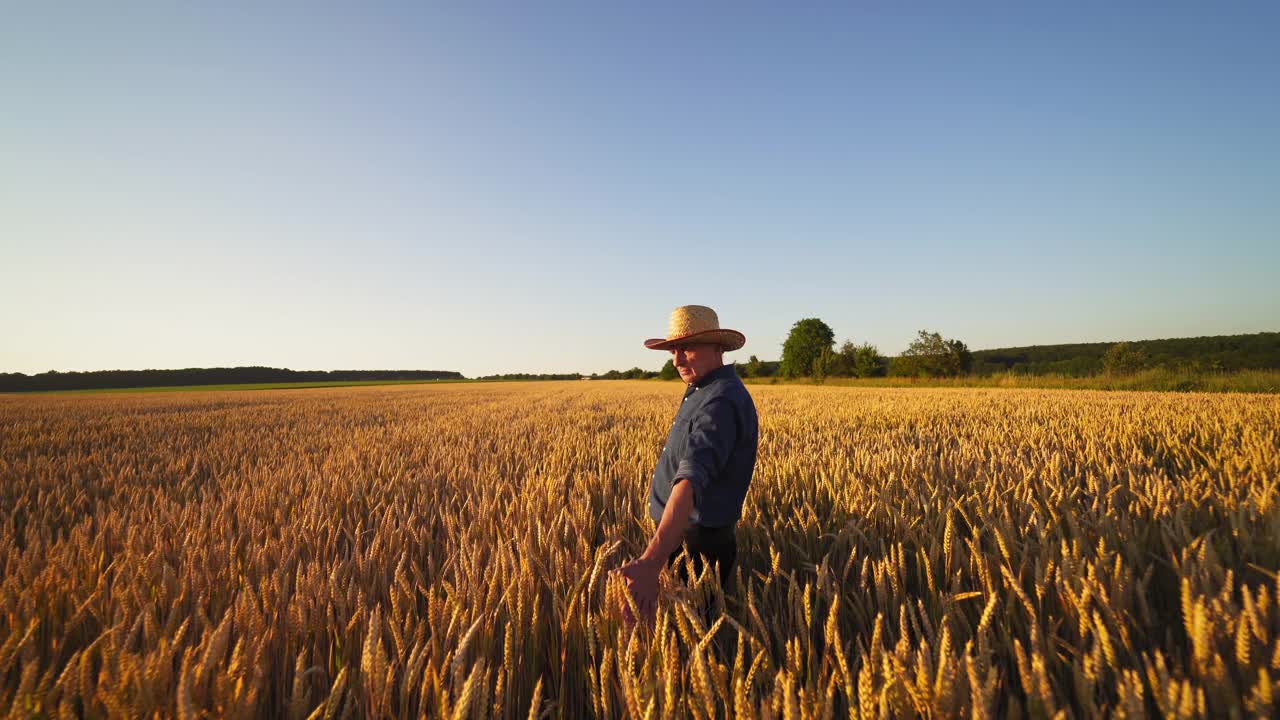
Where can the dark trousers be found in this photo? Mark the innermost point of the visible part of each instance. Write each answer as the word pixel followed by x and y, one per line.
pixel 709 545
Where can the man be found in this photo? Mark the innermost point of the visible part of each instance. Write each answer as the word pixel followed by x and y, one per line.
pixel 702 475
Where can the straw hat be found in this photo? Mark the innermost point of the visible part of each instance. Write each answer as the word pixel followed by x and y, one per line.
pixel 696 323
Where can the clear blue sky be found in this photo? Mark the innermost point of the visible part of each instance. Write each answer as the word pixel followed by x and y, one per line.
pixel 521 187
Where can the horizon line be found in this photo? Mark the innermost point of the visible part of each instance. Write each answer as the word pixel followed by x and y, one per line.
pixel 526 372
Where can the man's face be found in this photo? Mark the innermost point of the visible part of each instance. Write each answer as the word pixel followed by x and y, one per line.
pixel 694 360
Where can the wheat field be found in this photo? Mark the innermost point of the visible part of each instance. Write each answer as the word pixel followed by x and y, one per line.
pixel 444 551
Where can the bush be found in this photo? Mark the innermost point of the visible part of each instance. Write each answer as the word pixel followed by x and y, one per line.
pixel 868 362
pixel 929 355
pixel 822 365
pixel 1124 359
pixel 842 362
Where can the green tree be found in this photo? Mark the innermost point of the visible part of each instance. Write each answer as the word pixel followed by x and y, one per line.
pixel 843 361
pixel 868 362
pixel 958 360
pixel 1124 359
pixel 668 371
pixel 752 368
pixel 804 344
pixel 922 356
pixel 929 355
pixel 822 365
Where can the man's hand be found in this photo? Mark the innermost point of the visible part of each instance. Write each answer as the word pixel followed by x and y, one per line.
pixel 642 573
pixel 642 582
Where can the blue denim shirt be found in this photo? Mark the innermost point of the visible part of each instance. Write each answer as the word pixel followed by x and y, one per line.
pixel 712 445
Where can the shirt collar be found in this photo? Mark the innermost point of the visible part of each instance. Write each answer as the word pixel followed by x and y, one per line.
pixel 724 371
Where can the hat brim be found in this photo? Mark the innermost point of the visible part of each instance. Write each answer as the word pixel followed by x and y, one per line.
pixel 728 339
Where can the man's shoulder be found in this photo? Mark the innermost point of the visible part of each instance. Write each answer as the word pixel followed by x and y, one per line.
pixel 731 388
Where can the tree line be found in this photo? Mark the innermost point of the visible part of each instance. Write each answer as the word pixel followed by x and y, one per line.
pixel 531 376
pixel 114 379
pixel 810 351
pixel 1214 354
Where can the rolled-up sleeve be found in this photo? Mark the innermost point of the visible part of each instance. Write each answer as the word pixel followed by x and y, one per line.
pixel 711 435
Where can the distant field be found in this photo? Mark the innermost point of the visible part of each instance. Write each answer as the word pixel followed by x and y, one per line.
pixel 441 550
